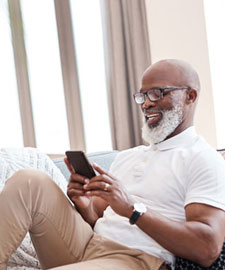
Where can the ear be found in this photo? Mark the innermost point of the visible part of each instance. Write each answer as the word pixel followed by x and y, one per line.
pixel 191 96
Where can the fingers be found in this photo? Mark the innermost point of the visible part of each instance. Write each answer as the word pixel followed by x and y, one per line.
pixel 102 182
pixel 99 185
pixel 98 193
pixel 77 178
pixel 75 192
pixel 98 182
pixel 81 186
pixel 99 169
pixel 75 186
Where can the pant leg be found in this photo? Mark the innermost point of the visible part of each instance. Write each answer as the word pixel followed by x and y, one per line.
pixel 105 254
pixel 31 201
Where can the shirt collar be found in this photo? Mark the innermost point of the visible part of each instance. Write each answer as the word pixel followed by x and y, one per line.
pixel 182 139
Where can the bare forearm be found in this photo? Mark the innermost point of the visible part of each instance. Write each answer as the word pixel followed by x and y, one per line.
pixel 192 240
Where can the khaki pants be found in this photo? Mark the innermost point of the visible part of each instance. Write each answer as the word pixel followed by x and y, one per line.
pixel 32 202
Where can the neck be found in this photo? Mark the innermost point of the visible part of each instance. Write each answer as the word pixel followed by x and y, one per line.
pixel 183 126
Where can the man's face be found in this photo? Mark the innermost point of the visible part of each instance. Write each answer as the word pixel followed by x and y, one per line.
pixel 162 117
pixel 165 126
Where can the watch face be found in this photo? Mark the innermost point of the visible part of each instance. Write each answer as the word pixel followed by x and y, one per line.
pixel 140 207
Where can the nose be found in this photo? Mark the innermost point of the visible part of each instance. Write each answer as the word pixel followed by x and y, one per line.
pixel 148 103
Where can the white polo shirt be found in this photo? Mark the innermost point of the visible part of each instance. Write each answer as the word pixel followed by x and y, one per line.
pixel 166 177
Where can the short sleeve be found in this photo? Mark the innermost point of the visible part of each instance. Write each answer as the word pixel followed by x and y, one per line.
pixel 206 179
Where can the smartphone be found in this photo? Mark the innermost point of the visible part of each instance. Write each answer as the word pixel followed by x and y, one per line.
pixel 80 163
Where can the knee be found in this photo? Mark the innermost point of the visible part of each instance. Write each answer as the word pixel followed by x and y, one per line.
pixel 30 176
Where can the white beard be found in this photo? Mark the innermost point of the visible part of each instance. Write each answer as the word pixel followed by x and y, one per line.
pixel 169 122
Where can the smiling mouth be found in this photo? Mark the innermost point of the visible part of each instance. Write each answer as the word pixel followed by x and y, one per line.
pixel 152 119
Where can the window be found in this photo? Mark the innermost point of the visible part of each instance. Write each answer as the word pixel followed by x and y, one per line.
pixel 46 82
pixel 90 58
pixel 11 129
pixel 215 22
pixel 45 76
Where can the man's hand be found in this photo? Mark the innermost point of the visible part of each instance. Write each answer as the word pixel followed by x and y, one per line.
pixel 111 190
pixel 91 208
pixel 75 189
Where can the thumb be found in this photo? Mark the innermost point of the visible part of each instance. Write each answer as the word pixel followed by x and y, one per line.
pixel 99 169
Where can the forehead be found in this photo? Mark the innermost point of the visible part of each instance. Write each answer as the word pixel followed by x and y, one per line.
pixel 161 76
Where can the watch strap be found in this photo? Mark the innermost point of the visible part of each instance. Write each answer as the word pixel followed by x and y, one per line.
pixel 135 216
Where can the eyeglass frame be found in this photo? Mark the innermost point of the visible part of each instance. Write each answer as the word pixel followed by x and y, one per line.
pixel 162 90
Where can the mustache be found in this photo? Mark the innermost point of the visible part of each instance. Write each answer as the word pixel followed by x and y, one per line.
pixel 152 110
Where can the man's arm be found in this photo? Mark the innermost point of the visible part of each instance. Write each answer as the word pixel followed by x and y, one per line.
pixel 198 239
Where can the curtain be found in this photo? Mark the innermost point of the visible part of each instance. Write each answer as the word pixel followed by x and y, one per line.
pixel 127 55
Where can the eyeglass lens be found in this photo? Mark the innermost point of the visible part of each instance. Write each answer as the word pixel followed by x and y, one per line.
pixel 153 95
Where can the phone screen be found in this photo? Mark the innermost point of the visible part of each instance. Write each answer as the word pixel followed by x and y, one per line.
pixel 80 163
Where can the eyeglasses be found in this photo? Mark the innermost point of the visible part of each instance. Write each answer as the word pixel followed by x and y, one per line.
pixel 156 93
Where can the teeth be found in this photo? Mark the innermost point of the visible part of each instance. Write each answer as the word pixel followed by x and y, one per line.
pixel 152 115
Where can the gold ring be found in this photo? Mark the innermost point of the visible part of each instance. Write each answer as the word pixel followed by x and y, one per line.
pixel 106 187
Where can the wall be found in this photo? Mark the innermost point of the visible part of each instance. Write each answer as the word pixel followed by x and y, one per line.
pixel 177 30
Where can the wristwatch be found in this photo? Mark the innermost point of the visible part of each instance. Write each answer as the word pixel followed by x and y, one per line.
pixel 139 210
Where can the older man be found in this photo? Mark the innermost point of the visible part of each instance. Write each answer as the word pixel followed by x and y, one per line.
pixel 157 201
